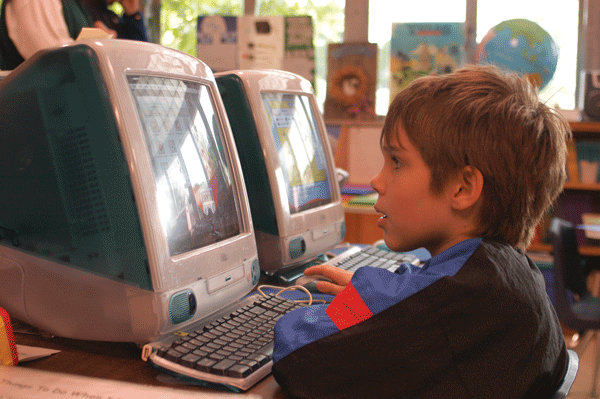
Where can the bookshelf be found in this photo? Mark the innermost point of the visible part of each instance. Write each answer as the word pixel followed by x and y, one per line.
pixel 577 197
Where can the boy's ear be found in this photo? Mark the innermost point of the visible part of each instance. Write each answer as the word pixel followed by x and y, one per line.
pixel 467 188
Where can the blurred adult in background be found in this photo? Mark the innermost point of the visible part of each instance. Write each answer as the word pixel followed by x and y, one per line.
pixel 27 26
pixel 128 25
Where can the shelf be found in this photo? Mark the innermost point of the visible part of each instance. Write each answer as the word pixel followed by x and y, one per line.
pixel 585 250
pixel 581 131
pixel 378 122
pixel 540 247
pixel 585 130
pixel 582 186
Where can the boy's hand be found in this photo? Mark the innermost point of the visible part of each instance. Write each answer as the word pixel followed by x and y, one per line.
pixel 339 278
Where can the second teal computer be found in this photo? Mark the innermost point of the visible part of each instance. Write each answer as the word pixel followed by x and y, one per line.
pixel 288 167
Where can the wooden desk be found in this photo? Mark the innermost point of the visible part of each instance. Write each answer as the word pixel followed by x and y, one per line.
pixel 117 361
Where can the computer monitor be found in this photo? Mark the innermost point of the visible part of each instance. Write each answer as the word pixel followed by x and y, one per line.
pixel 288 167
pixel 123 212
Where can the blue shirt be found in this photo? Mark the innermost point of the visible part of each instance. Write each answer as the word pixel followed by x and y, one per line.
pixel 371 291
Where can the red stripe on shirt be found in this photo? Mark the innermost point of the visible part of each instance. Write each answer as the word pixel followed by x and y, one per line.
pixel 348 308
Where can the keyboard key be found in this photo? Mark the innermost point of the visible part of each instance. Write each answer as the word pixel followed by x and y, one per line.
pixel 253 364
pixel 222 366
pixel 238 371
pixel 205 365
pixel 267 350
pixel 260 359
pixel 189 360
pixel 173 355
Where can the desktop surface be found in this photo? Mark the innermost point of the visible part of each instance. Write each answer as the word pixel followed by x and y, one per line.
pixel 118 361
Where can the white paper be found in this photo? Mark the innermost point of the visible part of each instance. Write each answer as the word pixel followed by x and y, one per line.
pixel 23 383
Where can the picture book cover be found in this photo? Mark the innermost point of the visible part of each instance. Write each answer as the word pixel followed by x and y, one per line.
pixel 588 159
pixel 351 81
pixel 217 41
pixel 418 49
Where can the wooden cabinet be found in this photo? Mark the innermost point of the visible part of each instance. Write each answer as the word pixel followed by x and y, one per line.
pixel 361 225
pixel 578 196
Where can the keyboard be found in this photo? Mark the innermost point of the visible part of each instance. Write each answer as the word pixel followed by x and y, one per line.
pixel 351 259
pixel 234 348
pixel 356 257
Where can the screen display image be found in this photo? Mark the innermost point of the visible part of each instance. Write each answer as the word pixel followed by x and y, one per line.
pixel 301 151
pixel 195 188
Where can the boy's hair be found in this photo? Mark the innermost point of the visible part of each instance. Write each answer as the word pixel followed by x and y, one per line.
pixel 482 117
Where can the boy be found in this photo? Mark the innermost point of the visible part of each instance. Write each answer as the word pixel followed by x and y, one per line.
pixel 471 161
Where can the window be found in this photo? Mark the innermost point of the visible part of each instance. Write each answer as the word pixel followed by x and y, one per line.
pixel 560 20
pixel 178 22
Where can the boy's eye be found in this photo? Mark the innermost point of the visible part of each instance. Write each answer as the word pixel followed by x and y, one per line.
pixel 396 162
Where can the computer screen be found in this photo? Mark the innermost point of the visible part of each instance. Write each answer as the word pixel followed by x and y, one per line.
pixel 288 167
pixel 124 215
pixel 300 149
pixel 195 190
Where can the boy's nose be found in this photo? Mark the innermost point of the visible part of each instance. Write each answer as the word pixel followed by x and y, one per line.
pixel 377 184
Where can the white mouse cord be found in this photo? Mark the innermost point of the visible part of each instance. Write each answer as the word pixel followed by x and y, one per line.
pixel 308 301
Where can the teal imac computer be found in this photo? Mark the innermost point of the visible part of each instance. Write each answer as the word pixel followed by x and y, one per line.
pixel 123 214
pixel 288 167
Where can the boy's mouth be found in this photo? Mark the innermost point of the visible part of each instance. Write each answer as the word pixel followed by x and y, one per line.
pixel 383 216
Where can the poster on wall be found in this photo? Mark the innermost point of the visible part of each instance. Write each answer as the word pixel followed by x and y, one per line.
pixel 419 49
pixel 227 43
pixel 351 81
pixel 260 42
pixel 299 48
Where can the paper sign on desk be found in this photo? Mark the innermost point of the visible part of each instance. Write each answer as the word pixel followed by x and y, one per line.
pixel 23 383
pixel 27 353
pixel 94 33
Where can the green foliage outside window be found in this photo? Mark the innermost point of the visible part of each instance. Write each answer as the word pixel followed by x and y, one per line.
pixel 178 21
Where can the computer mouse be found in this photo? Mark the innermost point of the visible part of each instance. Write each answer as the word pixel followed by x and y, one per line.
pixel 310 282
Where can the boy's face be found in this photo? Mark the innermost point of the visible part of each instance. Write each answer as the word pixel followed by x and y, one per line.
pixel 413 217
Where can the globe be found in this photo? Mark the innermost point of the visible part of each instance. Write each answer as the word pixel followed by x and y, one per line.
pixel 521 46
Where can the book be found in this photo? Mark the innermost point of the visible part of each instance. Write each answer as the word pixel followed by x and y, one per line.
pixel 357 189
pixel 217 41
pixel 588 159
pixel 351 81
pixel 364 200
pixel 419 49
pixel 572 164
